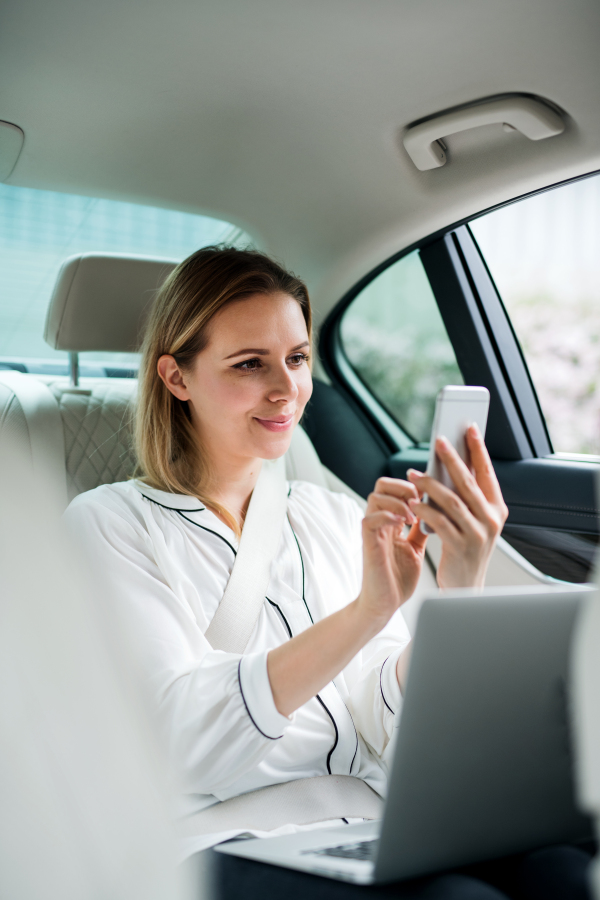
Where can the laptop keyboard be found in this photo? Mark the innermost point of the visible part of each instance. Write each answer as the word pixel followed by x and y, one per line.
pixel 365 850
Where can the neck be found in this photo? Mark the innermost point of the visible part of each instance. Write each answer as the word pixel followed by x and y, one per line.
pixel 232 483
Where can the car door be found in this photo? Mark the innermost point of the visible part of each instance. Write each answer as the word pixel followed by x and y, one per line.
pixel 438 313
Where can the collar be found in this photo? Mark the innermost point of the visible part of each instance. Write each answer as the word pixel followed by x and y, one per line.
pixel 183 502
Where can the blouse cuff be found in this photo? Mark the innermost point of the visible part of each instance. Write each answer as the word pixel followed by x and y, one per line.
pixel 257 695
pixel 388 682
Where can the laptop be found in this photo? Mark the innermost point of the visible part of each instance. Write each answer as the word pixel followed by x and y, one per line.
pixel 482 763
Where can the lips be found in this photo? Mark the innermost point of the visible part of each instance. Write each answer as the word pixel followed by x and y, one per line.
pixel 276 423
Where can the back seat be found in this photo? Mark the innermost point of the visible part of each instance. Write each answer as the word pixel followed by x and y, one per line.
pixel 76 435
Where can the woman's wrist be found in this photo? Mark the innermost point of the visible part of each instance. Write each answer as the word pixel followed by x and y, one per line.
pixel 371 621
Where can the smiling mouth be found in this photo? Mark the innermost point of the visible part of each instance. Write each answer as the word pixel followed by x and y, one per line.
pixel 278 423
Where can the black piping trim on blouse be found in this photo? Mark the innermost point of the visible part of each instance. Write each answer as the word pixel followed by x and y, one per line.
pixel 268 736
pixel 284 620
pixel 337 734
pixel 317 697
pixel 302 564
pixel 191 521
pixel 210 531
pixel 172 508
pixel 353 725
pixel 381 686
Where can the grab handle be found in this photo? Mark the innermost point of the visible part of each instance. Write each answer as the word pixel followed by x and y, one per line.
pixel 531 117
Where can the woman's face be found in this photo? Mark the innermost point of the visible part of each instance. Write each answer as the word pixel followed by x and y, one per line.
pixel 248 388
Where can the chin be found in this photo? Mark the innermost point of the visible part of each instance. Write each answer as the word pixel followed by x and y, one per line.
pixel 275 447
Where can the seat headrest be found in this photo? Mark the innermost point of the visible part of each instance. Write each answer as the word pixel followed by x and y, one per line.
pixel 101 301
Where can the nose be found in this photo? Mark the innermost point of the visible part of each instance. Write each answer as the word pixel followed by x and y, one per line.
pixel 282 385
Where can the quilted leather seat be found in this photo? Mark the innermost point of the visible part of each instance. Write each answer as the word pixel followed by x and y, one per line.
pixel 97 433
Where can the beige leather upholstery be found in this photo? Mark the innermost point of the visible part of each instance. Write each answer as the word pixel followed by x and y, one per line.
pixel 83 812
pixel 96 422
pixel 101 300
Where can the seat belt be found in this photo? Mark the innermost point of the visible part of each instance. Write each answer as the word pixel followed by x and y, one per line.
pixel 239 609
pixel 46 435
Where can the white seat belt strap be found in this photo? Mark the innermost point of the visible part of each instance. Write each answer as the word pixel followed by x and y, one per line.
pixel 244 596
pixel 46 435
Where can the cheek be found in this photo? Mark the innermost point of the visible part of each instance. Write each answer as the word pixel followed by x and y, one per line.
pixel 305 386
pixel 226 395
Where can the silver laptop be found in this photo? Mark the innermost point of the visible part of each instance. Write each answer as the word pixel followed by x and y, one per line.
pixel 482 764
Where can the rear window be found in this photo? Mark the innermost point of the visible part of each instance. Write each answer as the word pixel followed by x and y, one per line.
pixel 40 229
pixel 394 338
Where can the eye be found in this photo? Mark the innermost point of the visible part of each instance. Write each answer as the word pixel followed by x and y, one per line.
pixel 297 359
pixel 248 365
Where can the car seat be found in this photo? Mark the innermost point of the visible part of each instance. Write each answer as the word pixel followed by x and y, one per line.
pixel 76 433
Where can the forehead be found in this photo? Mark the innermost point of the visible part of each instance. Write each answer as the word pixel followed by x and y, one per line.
pixel 264 317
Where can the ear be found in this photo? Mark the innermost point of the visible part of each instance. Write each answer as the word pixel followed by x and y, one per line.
pixel 172 376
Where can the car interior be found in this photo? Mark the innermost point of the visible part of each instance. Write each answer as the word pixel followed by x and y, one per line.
pixel 431 170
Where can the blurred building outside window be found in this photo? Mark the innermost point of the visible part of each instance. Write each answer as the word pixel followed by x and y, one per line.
pixel 543 253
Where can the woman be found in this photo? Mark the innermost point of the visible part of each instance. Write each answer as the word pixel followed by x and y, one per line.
pixel 224 380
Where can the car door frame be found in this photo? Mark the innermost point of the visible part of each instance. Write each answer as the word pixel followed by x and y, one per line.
pixel 548 494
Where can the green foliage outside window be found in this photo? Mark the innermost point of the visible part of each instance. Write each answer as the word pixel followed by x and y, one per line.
pixel 396 341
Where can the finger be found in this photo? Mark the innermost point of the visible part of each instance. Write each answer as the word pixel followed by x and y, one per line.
pixel 415 477
pixel 386 501
pixel 482 466
pixel 463 479
pixel 450 503
pixel 395 487
pixel 416 537
pixel 437 521
pixel 374 522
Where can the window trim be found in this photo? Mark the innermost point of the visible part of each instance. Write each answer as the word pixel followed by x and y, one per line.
pixel 517 405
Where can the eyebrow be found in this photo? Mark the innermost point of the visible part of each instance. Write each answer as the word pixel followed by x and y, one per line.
pixel 259 352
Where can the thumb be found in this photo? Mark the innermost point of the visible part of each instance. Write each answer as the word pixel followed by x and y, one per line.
pixel 416 537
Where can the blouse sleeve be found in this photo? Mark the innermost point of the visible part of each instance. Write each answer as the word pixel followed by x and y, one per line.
pixel 215 710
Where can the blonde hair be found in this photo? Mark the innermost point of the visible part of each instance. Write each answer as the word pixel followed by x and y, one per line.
pixel 167 447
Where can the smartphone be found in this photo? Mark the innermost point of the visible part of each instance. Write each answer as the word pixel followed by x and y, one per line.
pixel 456 407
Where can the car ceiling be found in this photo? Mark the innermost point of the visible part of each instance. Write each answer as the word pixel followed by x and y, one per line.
pixel 284 116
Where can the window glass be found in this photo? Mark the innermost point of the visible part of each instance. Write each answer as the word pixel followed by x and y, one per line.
pixel 40 229
pixel 396 341
pixel 544 255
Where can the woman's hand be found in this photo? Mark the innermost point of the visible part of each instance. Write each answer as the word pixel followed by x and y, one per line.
pixel 468 521
pixel 391 560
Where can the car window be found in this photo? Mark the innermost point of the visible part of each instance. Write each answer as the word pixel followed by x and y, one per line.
pixel 395 339
pixel 40 229
pixel 544 256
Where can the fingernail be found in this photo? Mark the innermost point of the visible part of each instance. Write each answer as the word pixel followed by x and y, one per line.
pixel 443 442
pixel 413 474
pixel 475 429
pixel 413 502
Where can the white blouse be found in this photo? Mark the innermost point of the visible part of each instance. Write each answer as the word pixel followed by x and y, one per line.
pixel 164 561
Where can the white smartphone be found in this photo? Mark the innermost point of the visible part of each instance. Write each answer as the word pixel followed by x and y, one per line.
pixel 456 407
